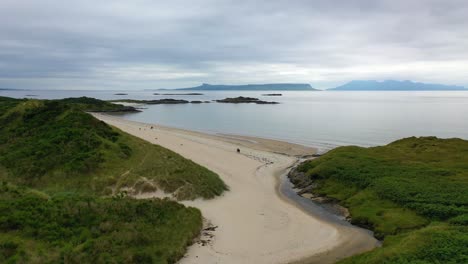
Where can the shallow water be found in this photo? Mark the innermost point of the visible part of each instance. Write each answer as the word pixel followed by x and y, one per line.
pixel 323 119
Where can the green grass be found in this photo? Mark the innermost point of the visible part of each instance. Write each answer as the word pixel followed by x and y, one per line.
pixel 401 191
pixel 7 103
pixel 81 103
pixel 63 174
pixel 96 105
pixel 76 228
pixel 55 146
pixel 436 243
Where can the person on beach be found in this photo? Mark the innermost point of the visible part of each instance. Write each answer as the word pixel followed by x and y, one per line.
pixel 238 150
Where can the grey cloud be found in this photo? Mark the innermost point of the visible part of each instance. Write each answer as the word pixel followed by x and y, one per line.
pixel 148 44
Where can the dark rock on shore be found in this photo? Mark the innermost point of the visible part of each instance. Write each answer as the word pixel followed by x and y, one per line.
pixel 306 186
pixel 241 99
pixel 300 179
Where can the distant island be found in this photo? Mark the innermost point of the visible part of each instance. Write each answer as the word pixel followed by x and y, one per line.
pixel 178 94
pixel 8 89
pixel 392 85
pixel 242 99
pixel 253 87
pixel 158 101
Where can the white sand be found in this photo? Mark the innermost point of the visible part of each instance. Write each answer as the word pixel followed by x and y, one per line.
pixel 255 223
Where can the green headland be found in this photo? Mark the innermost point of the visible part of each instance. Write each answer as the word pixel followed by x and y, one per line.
pixel 413 193
pixel 65 179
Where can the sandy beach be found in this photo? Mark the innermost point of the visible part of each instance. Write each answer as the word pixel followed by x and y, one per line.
pixel 252 222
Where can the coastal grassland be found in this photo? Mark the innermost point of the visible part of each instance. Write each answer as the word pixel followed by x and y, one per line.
pixel 436 243
pixel 7 103
pixel 413 193
pixel 64 180
pixel 82 103
pixel 95 105
pixel 55 146
pixel 74 228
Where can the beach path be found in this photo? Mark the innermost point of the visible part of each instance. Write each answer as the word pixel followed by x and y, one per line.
pixel 252 222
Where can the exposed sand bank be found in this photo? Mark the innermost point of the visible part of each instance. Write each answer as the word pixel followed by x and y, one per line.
pixel 255 223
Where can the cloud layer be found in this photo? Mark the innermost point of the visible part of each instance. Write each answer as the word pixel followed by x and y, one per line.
pixel 115 44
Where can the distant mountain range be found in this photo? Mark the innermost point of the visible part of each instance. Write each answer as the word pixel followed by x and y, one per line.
pixel 392 85
pixel 254 87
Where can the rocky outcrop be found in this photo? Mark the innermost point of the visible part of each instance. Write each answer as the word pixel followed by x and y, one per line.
pixel 178 94
pixel 306 186
pixel 242 99
pixel 159 101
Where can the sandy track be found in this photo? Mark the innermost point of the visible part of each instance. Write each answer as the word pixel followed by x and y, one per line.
pixel 255 224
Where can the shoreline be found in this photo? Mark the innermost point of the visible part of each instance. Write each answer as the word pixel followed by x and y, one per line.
pixel 255 223
pixel 354 239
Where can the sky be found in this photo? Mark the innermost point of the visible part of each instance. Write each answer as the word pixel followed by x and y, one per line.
pixel 139 44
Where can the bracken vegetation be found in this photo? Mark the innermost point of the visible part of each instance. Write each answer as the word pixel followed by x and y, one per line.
pixel 75 228
pixel 54 145
pixel 64 180
pixel 413 193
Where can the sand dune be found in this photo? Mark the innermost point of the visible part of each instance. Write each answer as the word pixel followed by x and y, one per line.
pixel 253 222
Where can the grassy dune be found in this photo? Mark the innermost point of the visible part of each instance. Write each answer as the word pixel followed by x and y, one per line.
pixel 55 146
pixel 63 174
pixel 413 193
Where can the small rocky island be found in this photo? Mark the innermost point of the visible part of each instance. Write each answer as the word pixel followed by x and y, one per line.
pixel 234 100
pixel 272 94
pixel 178 94
pixel 120 94
pixel 158 101
pixel 242 99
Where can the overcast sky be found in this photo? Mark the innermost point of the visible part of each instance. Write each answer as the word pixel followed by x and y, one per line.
pixel 122 44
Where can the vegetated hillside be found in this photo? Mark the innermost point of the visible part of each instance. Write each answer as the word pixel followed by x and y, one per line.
pixel 62 173
pixel 75 228
pixel 95 105
pixel 54 145
pixel 82 103
pixel 412 192
pixel 8 103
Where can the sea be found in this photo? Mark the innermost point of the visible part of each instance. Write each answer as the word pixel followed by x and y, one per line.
pixel 323 119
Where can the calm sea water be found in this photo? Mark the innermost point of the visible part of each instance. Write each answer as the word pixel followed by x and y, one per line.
pixel 323 119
